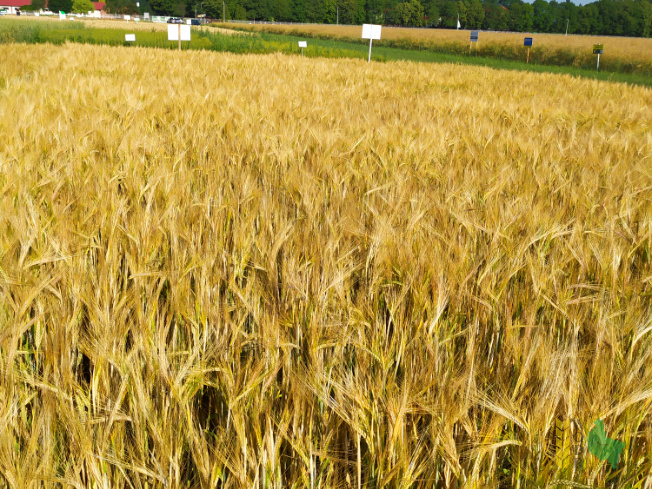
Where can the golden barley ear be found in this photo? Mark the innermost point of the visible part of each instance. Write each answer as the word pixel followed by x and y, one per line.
pixel 563 459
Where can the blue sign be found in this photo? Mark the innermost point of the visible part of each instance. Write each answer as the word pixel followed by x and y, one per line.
pixel 528 42
pixel 474 36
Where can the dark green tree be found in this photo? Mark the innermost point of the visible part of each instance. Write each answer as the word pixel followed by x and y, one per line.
pixel 495 17
pixel 60 5
pixel 35 6
pixel 542 17
pixel 409 13
pixel 474 14
pixel 646 18
pixel 298 11
pixel 448 13
pixel 82 6
pixel 588 20
pixel 521 17
pixel 257 9
pixel 432 13
pixel 351 12
pixel 123 7
pixel 161 7
pixel 281 10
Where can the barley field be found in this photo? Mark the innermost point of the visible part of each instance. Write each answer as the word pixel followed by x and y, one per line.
pixel 268 271
pixel 636 47
pixel 632 53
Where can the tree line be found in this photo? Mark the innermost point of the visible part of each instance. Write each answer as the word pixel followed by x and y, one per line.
pixel 602 17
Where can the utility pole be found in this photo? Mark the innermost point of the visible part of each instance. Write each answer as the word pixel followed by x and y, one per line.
pixel 338 16
pixel 567 20
pixel 223 12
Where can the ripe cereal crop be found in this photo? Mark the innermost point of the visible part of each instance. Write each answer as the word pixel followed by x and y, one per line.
pixel 272 271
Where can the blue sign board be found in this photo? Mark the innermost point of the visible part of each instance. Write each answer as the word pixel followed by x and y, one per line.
pixel 528 42
pixel 474 36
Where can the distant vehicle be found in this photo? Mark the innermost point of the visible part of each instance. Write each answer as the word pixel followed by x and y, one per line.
pixel 195 22
pixel 3 11
pixel 175 20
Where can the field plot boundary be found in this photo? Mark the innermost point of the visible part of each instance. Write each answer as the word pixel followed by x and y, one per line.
pixel 226 38
pixel 625 55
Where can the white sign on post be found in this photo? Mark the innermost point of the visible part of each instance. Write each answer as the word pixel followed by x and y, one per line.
pixel 185 33
pixel 146 15
pixel 127 17
pixel 178 32
pixel 173 32
pixel 62 15
pixel 371 32
pixel 130 37
pixel 303 44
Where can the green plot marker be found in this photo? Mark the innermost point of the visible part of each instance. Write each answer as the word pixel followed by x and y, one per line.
pixel 603 447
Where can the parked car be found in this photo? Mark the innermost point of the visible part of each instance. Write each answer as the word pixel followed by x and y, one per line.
pixel 175 20
pixel 195 22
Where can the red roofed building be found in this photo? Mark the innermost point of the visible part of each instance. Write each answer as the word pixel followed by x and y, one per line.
pixel 12 5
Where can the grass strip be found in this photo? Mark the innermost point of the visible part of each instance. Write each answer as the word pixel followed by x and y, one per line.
pixel 263 42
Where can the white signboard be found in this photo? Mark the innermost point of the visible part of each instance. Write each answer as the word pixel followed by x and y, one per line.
pixel 62 16
pixel 303 44
pixel 130 37
pixel 146 15
pixel 127 17
pixel 173 32
pixel 371 31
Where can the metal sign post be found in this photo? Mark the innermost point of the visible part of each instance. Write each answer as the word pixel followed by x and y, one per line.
pixel 528 43
pixel 598 49
pixel 474 39
pixel 371 32
pixel 303 44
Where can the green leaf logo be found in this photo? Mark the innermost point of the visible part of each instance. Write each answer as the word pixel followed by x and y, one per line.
pixel 603 447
